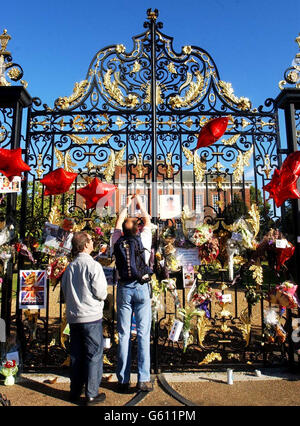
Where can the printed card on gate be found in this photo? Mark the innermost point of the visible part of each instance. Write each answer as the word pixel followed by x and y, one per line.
pixel 176 330
pixel 33 289
pixel 7 187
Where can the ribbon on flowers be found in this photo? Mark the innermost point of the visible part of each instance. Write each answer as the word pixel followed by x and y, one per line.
pixel 24 251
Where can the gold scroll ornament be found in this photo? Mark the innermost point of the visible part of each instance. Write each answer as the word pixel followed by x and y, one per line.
pixel 227 91
pixel 242 161
pixel 64 161
pixel 114 160
pixel 79 91
pixel 113 89
pixel 198 163
pixel 212 356
pixel 246 325
pixel 194 90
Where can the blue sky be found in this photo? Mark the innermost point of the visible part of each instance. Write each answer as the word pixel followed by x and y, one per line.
pixel 252 42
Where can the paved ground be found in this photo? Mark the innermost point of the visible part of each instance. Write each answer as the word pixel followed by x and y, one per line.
pixel 274 387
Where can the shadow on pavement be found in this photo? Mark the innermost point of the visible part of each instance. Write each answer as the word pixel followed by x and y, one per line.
pixel 45 389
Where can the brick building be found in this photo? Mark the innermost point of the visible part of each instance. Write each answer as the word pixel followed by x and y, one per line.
pixel 202 197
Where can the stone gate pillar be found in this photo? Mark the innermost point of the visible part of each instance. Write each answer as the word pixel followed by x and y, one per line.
pixel 13 100
pixel 289 101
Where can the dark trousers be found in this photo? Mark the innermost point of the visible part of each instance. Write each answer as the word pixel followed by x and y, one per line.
pixel 86 351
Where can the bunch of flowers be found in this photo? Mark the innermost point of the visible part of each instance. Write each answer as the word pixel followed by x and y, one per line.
pixel 273 328
pixel 209 251
pixel 156 302
pixel 169 234
pixel 8 370
pixel 242 227
pixel 103 227
pixel 99 231
pixel 57 268
pixel 202 297
pixel 285 296
pixel 170 285
pixel 277 256
pixel 187 314
pixel 6 253
pixel 68 224
pixel 172 263
pixel 201 235
pixel 223 303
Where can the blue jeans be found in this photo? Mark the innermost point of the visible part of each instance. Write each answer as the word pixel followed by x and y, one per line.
pixel 86 352
pixel 133 298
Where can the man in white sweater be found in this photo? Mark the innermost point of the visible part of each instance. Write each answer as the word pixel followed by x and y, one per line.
pixel 85 289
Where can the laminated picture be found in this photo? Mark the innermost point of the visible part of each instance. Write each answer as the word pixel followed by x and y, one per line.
pixel 33 289
pixel 8 187
pixel 56 238
pixel 169 206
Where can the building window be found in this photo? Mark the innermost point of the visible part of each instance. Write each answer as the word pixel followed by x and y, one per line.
pixel 215 201
pixel 199 203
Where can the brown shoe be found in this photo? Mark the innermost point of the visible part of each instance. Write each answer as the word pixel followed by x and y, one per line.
pixel 145 386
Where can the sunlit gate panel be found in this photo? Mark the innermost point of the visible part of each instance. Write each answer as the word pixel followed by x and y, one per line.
pixel 103 129
pixel 189 92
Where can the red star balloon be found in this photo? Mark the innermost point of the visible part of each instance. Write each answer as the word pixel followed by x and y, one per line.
pixel 283 184
pixel 292 162
pixel 58 181
pixel 96 190
pixel 11 163
pixel 212 131
pixel 273 185
pixel 283 255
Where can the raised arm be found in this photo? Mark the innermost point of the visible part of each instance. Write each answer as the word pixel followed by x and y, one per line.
pixel 123 213
pixel 145 215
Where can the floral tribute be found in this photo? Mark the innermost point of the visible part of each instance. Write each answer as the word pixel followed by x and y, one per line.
pixel 9 369
pixel 202 296
pixel 202 234
pixel 187 315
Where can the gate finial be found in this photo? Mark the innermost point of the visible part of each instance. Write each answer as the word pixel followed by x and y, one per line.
pixel 292 74
pixel 152 14
pixel 4 39
pixel 8 69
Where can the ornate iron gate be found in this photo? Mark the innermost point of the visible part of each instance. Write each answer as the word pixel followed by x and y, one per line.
pixel 134 121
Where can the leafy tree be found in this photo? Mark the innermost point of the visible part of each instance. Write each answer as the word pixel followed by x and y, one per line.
pixel 234 210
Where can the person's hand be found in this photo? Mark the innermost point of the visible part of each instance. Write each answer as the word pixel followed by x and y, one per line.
pixel 129 200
